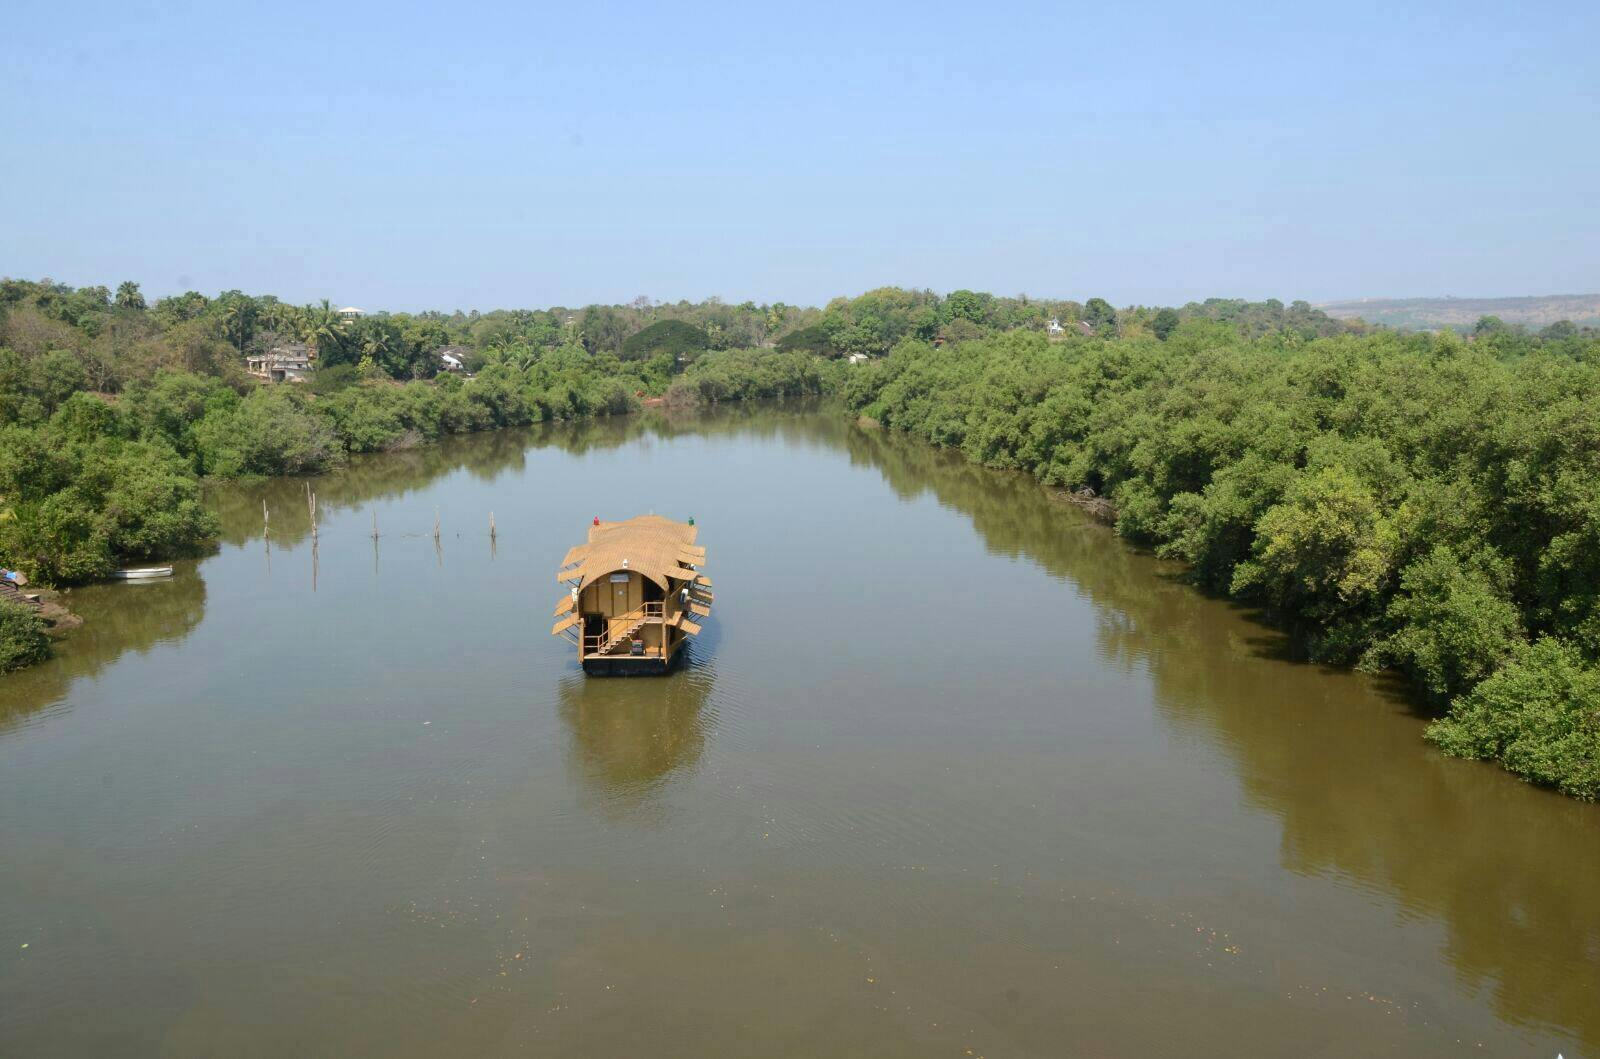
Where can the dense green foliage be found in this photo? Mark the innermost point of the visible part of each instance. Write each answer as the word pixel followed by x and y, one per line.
pixel 1539 716
pixel 814 340
pixel 747 374
pixel 672 337
pixel 22 637
pixel 85 490
pixel 1409 501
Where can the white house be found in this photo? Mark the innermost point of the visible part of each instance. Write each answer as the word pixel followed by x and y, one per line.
pixel 453 358
pixel 858 358
pixel 289 363
pixel 1054 326
pixel 350 313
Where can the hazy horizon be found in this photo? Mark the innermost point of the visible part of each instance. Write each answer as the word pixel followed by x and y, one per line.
pixel 510 157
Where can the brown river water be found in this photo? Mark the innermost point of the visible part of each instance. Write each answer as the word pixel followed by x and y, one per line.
pixel 952 772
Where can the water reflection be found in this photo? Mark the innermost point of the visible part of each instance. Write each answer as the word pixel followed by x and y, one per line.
pixel 630 738
pixel 1336 757
pixel 118 619
pixel 394 475
pixel 382 476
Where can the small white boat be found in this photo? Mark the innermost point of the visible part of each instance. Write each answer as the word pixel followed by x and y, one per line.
pixel 144 573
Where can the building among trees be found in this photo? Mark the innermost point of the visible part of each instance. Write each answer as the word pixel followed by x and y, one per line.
pixel 286 363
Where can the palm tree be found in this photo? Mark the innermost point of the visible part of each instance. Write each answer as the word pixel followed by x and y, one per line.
pixel 281 318
pixel 376 343
pixel 129 295
pixel 238 318
pixel 321 329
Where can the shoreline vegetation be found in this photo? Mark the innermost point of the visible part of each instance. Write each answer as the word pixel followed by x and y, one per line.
pixel 1419 502
pixel 1427 503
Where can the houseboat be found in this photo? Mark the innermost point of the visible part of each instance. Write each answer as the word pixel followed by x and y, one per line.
pixel 634 592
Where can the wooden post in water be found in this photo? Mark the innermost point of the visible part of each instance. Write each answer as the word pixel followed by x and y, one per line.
pixel 374 523
pixel 266 519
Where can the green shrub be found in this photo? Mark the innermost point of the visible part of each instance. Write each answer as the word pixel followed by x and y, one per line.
pixel 744 374
pixel 151 507
pixel 22 638
pixel 1454 624
pixel 269 432
pixel 78 516
pixel 331 378
pixel 1539 716
pixel 59 540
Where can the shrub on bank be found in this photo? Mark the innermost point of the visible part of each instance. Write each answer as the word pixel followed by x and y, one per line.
pixel 1539 716
pixel 268 432
pixel 83 498
pixel 748 374
pixel 22 638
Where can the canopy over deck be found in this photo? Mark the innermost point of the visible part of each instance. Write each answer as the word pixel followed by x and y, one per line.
pixel 654 547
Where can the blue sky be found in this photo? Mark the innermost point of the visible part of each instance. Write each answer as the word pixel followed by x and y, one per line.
pixel 478 155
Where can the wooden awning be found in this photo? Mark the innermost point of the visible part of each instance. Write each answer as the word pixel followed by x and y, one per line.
pixel 655 548
pixel 651 546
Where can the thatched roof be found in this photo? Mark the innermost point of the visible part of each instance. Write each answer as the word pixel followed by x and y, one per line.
pixel 656 547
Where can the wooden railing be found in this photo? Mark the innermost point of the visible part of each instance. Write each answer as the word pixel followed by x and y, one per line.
pixel 624 625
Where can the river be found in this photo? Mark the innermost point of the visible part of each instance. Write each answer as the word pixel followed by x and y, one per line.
pixel 952 771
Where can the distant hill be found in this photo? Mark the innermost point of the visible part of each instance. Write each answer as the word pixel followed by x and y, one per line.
pixel 1429 313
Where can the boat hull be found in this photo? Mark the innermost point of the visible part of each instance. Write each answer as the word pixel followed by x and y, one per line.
pixel 631 665
pixel 142 575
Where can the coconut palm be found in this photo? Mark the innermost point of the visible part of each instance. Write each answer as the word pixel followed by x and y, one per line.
pixel 322 329
pixel 129 295
pixel 238 316
pixel 281 318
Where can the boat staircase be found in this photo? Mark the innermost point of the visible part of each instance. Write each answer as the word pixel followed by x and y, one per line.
pixel 634 621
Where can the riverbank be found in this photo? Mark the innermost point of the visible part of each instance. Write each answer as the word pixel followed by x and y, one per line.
pixel 29 619
pixel 1395 502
